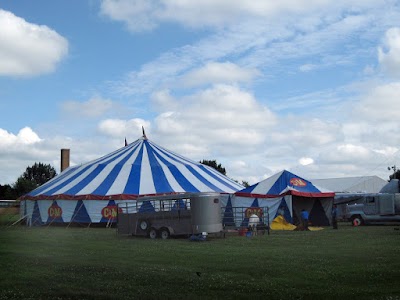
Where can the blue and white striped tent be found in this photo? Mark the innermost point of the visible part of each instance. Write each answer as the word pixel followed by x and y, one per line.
pixel 284 193
pixel 138 169
pixel 286 182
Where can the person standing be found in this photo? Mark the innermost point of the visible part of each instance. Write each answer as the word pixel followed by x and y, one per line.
pixel 304 219
pixel 334 216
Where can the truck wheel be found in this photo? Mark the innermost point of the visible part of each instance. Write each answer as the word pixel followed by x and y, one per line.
pixel 164 233
pixel 153 233
pixel 357 221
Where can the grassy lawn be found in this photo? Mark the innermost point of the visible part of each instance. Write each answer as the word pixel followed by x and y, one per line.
pixel 8 215
pixel 94 263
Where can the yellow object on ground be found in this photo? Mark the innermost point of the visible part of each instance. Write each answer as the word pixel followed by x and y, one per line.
pixel 312 228
pixel 279 223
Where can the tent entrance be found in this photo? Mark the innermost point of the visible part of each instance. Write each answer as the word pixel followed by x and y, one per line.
pixel 317 208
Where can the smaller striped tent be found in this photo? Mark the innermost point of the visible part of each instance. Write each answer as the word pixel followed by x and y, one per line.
pixel 287 194
pixel 286 182
pixel 138 169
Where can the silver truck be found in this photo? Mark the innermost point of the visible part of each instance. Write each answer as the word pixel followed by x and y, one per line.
pixel 374 209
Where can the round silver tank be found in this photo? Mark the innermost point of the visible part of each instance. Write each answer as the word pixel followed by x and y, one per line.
pixel 206 213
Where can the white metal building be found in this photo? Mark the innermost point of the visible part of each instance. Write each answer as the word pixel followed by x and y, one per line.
pixel 360 184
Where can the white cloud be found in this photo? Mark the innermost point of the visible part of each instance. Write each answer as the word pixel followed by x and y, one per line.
pixel 349 153
pixel 306 161
pixel 264 44
pixel 304 133
pixel 26 136
pixel 94 107
pixel 18 151
pixel 118 128
pixel 389 53
pixel 214 72
pixel 163 101
pixel 28 49
pixel 380 104
pixel 146 15
pixel 225 123
pixel 221 115
pixel 138 15
pixel 250 41
pixel 343 160
pixel 387 151
pixel 307 67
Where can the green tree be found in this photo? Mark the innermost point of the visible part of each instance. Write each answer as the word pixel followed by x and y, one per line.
pixel 7 192
pixel 245 183
pixel 215 165
pixel 33 177
pixel 396 173
pixel 39 173
pixel 23 186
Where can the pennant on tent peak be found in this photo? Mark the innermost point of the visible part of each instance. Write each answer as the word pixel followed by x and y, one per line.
pixel 144 133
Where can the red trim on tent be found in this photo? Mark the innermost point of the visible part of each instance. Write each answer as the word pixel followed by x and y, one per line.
pixel 250 195
pixel 291 192
pixel 313 195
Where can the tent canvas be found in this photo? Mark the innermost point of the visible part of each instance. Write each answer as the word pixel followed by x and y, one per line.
pixel 83 193
pixel 295 192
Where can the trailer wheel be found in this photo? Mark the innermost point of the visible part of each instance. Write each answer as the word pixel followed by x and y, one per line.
pixel 144 225
pixel 153 233
pixel 164 233
pixel 357 221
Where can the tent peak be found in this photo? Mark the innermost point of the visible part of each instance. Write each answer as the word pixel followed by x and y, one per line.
pixel 144 134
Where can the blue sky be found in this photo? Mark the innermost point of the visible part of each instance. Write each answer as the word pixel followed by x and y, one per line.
pixel 308 86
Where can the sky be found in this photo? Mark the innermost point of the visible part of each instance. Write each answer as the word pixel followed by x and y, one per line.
pixel 310 86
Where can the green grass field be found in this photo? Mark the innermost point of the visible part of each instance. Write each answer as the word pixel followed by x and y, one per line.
pixel 95 263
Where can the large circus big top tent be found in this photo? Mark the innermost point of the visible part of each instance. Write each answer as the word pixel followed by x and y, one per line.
pixel 89 193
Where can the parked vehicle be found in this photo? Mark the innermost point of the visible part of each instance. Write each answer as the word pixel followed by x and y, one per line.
pixel 376 208
pixel 165 216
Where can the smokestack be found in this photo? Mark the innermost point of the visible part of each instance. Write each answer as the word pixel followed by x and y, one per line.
pixel 64 159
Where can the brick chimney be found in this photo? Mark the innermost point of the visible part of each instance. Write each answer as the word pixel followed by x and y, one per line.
pixel 64 159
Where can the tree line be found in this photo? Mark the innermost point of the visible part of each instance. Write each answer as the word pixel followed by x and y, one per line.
pixel 221 169
pixel 33 177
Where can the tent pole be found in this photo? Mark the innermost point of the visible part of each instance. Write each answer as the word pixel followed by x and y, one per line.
pixel 129 219
pixel 108 223
pixel 19 220
pixel 51 222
